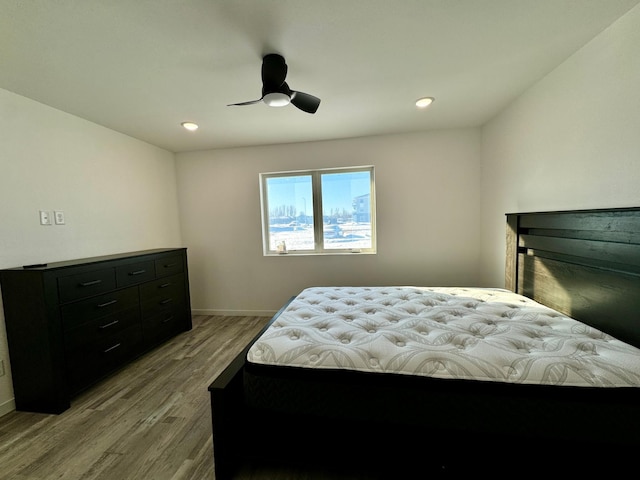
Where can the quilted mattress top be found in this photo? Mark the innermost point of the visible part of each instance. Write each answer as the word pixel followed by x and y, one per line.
pixel 444 332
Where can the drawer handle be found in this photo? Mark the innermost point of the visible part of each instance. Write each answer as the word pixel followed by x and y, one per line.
pixel 169 265
pixel 168 319
pixel 111 324
pixel 106 304
pixel 165 285
pixel 168 300
pixel 137 272
pixel 92 282
pixel 112 348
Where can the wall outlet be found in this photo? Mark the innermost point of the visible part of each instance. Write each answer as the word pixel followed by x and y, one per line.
pixel 58 216
pixel 45 217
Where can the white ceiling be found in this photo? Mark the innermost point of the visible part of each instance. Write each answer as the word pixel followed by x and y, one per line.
pixel 141 67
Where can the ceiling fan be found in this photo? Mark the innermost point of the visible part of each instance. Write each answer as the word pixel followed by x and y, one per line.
pixel 276 92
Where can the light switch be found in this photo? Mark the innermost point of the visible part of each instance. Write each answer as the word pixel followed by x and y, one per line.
pixel 45 217
pixel 59 217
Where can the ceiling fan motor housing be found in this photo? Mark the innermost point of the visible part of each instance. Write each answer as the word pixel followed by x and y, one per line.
pixel 276 92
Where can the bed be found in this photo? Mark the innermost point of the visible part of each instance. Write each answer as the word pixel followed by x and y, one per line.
pixel 545 371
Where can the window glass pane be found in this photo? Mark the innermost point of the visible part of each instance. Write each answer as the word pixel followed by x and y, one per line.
pixel 346 210
pixel 319 211
pixel 290 211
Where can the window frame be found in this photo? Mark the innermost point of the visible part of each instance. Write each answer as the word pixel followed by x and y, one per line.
pixel 318 217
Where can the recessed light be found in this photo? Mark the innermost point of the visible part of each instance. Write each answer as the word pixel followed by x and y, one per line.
pixel 192 127
pixel 424 102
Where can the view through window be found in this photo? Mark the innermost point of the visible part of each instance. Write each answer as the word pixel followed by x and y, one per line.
pixel 319 211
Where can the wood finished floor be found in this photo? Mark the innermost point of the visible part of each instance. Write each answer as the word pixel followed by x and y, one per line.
pixel 149 421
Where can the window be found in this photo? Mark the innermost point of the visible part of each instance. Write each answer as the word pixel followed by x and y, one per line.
pixel 318 211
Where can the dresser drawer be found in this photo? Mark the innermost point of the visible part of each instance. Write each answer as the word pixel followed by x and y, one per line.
pixel 101 328
pixel 75 314
pixel 90 361
pixel 167 287
pixel 162 299
pixel 135 273
pixel 162 305
pixel 74 287
pixel 163 325
pixel 169 265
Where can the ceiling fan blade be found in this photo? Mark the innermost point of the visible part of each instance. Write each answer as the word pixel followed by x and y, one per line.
pixel 274 71
pixel 251 102
pixel 305 102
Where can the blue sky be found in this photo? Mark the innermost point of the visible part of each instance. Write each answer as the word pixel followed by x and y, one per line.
pixel 338 191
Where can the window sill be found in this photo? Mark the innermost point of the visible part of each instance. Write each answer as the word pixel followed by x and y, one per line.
pixel 315 254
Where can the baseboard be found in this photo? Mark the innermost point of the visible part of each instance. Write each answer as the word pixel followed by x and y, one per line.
pixel 235 313
pixel 7 407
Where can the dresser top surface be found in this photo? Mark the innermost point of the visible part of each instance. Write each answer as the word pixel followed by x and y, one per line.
pixel 91 260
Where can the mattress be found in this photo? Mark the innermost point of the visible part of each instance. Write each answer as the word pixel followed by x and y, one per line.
pixel 489 335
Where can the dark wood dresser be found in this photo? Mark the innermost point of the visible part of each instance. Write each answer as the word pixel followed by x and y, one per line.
pixel 69 324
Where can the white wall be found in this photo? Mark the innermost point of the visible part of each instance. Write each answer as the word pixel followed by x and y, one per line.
pixel 570 142
pixel 427 194
pixel 118 194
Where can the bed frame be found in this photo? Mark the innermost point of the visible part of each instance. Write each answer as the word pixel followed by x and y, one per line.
pixel 584 263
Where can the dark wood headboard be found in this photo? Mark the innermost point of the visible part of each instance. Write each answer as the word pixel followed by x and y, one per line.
pixel 583 263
